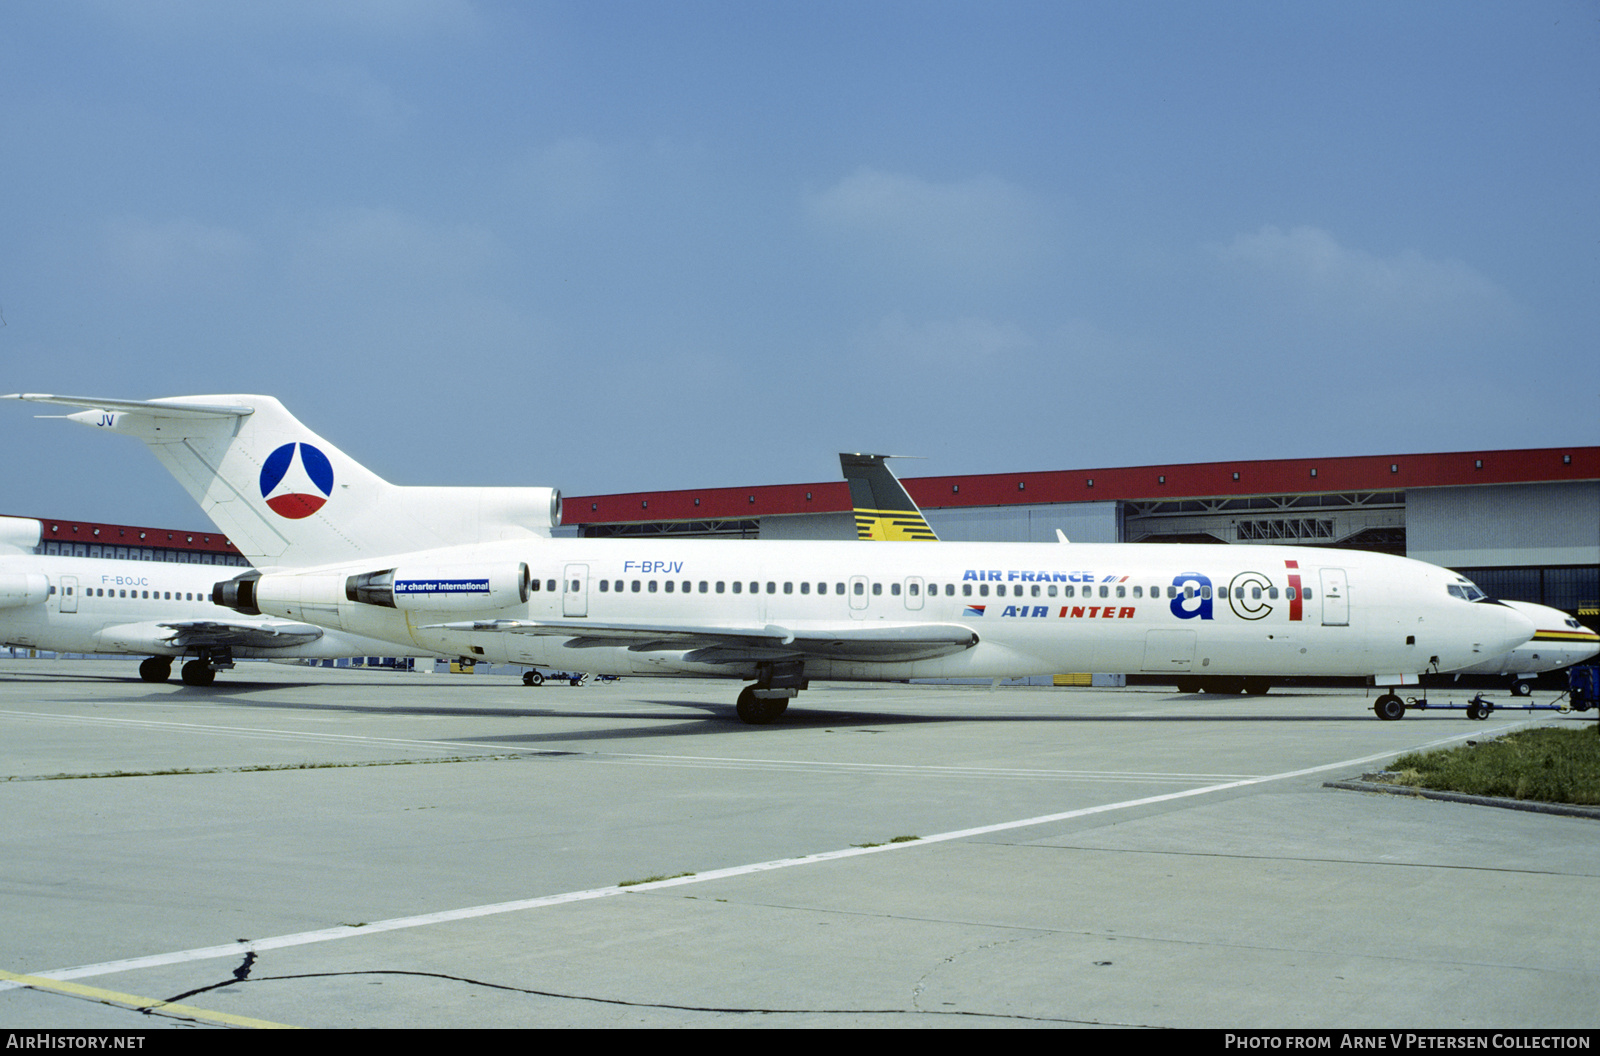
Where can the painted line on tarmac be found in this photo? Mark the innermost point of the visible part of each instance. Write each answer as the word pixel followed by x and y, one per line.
pixel 306 938
pixel 139 1004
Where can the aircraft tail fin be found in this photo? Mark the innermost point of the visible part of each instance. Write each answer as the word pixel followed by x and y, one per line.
pixel 288 498
pixel 883 509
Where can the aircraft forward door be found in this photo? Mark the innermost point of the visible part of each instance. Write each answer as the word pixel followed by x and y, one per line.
pixel 575 591
pixel 1335 598
pixel 69 593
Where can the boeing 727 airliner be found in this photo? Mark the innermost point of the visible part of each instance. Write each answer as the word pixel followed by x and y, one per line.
pixel 475 572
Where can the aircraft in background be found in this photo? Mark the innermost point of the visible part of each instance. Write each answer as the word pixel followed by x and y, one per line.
pixel 1558 641
pixel 159 608
pixel 475 572
pixel 883 509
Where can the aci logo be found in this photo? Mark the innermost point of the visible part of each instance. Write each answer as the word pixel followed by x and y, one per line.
pixel 296 487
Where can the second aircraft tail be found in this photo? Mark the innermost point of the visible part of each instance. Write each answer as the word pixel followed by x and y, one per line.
pixel 883 509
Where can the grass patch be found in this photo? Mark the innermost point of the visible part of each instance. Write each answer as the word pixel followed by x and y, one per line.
pixel 652 879
pixel 1550 765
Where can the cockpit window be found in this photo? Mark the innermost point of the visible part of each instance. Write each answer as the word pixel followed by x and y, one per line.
pixel 1466 590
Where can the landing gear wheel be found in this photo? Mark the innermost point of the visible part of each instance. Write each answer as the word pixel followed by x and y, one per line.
pixel 532 678
pixel 1521 687
pixel 156 669
pixel 760 711
pixel 198 673
pixel 1389 707
pixel 1257 687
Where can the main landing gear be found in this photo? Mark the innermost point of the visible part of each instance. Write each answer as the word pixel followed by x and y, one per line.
pixel 201 671
pixel 776 683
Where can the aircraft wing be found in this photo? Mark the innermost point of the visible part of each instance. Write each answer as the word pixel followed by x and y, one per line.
pixel 272 634
pixel 721 643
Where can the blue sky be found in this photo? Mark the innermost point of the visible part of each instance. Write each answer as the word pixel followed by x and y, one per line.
pixel 616 246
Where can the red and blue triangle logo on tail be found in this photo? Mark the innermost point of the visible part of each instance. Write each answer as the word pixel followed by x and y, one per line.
pixel 296 480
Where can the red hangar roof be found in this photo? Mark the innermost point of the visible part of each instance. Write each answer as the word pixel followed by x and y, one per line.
pixel 128 535
pixel 1297 476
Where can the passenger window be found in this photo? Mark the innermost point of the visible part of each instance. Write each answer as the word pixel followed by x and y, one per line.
pixel 912 589
pixel 604 585
pixel 737 586
pixel 966 590
pixel 983 590
pixel 635 586
pixel 772 588
pixel 1255 593
pixel 1289 594
pixel 720 583
pixel 1138 592
pixel 1105 592
pixel 1272 592
pixel 894 589
pixel 788 588
pixel 877 589
pixel 1051 590
pixel 669 585
pixel 1122 592
pixel 805 588
pixel 652 587
pixel 1069 591
pixel 1305 595
pixel 861 588
pixel 1035 590
pixel 822 588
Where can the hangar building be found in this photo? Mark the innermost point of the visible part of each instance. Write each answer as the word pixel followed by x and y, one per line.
pixel 1523 524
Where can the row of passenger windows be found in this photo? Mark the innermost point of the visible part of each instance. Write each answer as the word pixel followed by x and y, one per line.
pixel 914 588
pixel 157 595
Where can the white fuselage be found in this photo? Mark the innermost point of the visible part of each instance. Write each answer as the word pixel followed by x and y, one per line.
pixel 1033 608
pixel 103 605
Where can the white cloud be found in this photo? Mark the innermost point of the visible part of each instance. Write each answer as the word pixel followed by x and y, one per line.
pixel 1407 287
pixel 171 253
pixel 966 343
pixel 979 228
pixel 353 89
pixel 362 244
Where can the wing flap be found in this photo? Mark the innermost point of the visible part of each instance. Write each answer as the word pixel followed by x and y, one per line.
pixel 875 641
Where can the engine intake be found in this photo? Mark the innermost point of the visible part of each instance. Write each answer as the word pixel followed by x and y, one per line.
pixel 238 594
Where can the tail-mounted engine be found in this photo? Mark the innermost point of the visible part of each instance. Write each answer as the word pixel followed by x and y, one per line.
pixel 447 588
